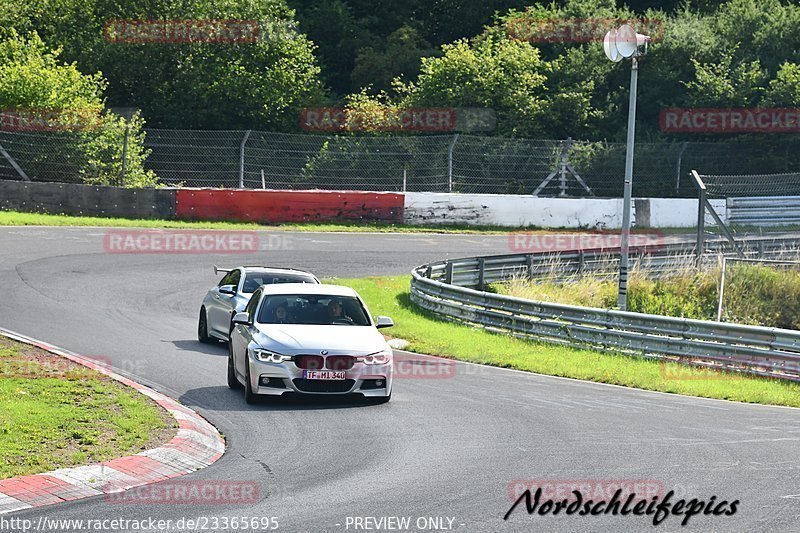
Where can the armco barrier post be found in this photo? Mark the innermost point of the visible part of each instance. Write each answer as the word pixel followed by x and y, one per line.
pixel 448 273
pixel 481 272
pixel 529 266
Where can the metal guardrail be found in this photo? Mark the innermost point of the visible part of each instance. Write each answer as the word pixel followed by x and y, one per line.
pixel 764 211
pixel 451 289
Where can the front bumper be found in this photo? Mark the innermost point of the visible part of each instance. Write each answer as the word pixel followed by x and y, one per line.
pixel 277 379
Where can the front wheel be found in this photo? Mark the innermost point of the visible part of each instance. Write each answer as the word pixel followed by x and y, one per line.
pixel 249 396
pixel 233 381
pixel 202 328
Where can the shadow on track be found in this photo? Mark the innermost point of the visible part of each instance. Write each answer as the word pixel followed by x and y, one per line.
pixel 222 398
pixel 190 345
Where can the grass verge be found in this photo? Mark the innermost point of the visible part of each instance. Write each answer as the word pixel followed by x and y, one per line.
pixel 390 296
pixel 16 218
pixel 57 414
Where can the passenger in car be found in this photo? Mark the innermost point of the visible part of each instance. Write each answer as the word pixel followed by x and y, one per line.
pixel 282 314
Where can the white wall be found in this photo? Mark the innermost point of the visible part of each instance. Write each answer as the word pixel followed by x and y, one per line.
pixel 517 210
pixel 514 210
pixel 681 212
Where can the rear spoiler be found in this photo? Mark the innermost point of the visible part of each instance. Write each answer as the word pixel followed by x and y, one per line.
pixel 218 270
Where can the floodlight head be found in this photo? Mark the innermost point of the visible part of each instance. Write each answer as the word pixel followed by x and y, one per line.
pixel 610 46
pixel 628 42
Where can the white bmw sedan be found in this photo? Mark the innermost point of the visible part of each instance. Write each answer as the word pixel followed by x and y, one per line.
pixel 298 338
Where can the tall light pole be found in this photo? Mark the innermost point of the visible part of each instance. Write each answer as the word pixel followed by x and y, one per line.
pixel 617 44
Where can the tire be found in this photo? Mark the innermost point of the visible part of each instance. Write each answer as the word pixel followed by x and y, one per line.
pixel 249 396
pixel 202 328
pixel 233 381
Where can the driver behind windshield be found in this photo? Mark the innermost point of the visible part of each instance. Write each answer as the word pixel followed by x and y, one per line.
pixel 336 311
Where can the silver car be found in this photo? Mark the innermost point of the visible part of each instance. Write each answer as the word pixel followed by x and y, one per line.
pixel 234 291
pixel 309 339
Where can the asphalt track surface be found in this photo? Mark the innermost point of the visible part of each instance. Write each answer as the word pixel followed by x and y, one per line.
pixel 445 447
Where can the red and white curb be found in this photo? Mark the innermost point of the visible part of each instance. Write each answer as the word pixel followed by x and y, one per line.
pixel 196 445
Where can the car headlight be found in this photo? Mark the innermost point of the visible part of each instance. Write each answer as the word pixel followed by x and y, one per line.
pixel 379 358
pixel 267 356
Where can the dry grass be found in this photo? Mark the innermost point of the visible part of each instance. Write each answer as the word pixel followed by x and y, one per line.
pixel 760 294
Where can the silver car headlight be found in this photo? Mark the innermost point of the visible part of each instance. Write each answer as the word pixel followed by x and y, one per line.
pixel 267 356
pixel 379 358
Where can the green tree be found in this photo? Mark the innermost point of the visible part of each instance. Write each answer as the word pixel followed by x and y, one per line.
pixel 399 58
pixel 784 89
pixel 722 84
pixel 35 84
pixel 508 76
pixel 245 84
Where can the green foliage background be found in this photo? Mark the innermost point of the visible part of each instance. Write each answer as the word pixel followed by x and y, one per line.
pixel 378 54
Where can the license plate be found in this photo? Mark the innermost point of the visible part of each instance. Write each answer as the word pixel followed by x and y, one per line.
pixel 323 374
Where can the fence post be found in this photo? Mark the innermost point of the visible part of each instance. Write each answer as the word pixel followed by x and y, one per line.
pixel 125 150
pixel 684 145
pixel 450 163
pixel 14 164
pixel 581 263
pixel 241 159
pixel 563 161
pixel 701 217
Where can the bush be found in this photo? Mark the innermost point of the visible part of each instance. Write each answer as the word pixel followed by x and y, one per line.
pixel 80 143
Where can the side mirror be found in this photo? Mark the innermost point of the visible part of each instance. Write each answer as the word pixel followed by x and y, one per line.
pixel 242 318
pixel 384 322
pixel 227 289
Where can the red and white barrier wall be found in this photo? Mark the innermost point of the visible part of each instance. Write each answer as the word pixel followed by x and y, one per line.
pixel 424 208
pixel 276 206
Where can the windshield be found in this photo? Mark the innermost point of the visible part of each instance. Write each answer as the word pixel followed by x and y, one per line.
pixel 254 280
pixel 312 309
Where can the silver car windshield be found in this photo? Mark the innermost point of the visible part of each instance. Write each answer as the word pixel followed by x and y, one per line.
pixel 254 280
pixel 312 309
